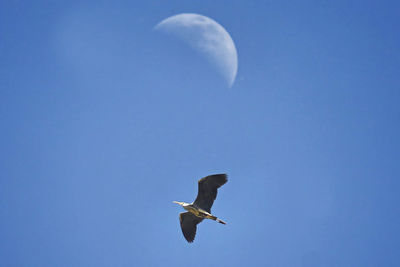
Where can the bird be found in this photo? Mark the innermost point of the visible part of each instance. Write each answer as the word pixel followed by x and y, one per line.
pixel 200 209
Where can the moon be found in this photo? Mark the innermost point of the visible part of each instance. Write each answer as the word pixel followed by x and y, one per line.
pixel 207 36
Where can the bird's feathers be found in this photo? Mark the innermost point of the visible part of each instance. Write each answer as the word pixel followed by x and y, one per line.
pixel 189 223
pixel 208 190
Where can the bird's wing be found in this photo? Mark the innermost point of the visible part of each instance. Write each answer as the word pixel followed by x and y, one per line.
pixel 208 190
pixel 189 223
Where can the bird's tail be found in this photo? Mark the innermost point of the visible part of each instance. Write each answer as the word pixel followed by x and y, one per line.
pixel 216 219
pixel 220 221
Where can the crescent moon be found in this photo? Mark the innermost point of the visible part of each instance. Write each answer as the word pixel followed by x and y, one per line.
pixel 207 36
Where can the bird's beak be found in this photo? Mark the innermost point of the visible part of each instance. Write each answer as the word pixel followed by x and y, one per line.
pixel 179 203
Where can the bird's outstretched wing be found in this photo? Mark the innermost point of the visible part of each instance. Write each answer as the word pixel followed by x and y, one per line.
pixel 189 223
pixel 208 190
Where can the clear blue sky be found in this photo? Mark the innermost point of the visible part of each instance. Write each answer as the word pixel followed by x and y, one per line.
pixel 104 122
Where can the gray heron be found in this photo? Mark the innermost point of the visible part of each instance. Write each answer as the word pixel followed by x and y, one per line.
pixel 200 209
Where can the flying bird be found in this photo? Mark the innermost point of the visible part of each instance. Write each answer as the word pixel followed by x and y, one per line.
pixel 200 209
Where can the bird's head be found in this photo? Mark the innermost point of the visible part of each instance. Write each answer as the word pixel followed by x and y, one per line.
pixel 179 203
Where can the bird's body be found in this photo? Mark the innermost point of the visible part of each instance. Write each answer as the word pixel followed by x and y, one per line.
pixel 198 212
pixel 200 209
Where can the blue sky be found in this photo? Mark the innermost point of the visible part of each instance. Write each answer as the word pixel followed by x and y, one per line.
pixel 104 122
